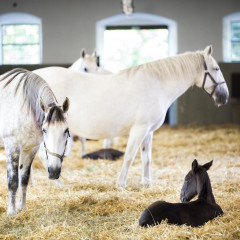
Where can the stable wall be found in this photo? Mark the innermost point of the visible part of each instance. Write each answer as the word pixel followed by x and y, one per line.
pixel 69 25
pixel 195 106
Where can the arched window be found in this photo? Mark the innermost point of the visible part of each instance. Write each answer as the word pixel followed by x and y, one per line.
pixel 135 36
pixel 139 38
pixel 231 38
pixel 20 39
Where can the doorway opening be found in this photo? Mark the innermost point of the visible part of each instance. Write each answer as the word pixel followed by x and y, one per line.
pixel 127 46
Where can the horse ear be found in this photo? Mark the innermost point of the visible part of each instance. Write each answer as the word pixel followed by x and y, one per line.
pixel 207 165
pixel 94 54
pixel 208 50
pixel 194 166
pixel 83 53
pixel 65 105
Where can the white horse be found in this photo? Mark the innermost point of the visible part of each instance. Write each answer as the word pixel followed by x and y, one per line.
pixel 135 100
pixel 29 114
pixel 88 63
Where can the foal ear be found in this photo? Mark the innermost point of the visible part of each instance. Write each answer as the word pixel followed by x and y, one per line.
pixel 207 165
pixel 83 53
pixel 208 51
pixel 65 105
pixel 194 166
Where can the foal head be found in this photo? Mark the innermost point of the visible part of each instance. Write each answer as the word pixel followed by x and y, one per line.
pixel 213 82
pixel 194 180
pixel 55 136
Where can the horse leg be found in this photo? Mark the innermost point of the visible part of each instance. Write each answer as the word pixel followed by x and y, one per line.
pixel 136 136
pixel 83 141
pixel 12 159
pixel 146 155
pixel 31 176
pixel 25 163
pixel 107 143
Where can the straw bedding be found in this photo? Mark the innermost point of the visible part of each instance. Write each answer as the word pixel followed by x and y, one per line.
pixel 89 206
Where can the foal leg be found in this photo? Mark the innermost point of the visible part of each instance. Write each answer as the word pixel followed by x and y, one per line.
pixel 146 155
pixel 136 136
pixel 25 163
pixel 12 158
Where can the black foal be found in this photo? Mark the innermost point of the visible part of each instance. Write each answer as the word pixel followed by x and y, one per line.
pixel 194 213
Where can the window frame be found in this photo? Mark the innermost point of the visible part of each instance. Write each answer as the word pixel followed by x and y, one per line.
pixel 227 36
pixel 20 19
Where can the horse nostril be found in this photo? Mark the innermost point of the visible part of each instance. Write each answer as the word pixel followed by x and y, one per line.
pixel 49 170
pixel 85 70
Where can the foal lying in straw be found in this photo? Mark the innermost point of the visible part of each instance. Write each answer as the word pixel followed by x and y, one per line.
pixel 194 213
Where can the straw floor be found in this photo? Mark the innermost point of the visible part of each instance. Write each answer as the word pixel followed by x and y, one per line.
pixel 89 206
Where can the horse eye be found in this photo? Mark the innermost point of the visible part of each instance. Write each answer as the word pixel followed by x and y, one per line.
pixel 217 68
pixel 44 130
pixel 85 70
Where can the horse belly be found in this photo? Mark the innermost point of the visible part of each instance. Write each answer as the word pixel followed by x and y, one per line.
pixel 97 126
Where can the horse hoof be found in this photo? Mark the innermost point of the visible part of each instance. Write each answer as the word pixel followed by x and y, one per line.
pixel 147 183
pixel 11 212
pixel 21 207
pixel 121 185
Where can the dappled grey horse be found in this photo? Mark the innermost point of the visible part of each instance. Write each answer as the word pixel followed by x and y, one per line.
pixel 29 114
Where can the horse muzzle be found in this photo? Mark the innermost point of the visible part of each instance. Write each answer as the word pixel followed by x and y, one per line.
pixel 183 200
pixel 221 98
pixel 54 173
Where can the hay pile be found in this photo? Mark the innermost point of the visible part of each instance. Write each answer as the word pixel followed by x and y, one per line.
pixel 90 207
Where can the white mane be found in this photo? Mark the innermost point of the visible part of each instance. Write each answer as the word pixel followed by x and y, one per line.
pixel 171 67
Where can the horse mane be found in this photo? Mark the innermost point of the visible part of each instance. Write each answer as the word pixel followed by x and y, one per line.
pixel 35 88
pixel 176 66
pixel 206 189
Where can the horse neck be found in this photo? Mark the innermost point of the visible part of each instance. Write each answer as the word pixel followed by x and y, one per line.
pixel 178 73
pixel 205 192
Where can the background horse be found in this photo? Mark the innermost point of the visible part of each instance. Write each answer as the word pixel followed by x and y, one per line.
pixel 88 63
pixel 195 213
pixel 29 115
pixel 135 100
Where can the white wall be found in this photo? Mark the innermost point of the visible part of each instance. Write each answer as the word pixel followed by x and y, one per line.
pixel 69 25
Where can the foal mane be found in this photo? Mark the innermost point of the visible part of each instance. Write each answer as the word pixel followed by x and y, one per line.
pixel 206 190
pixel 34 88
